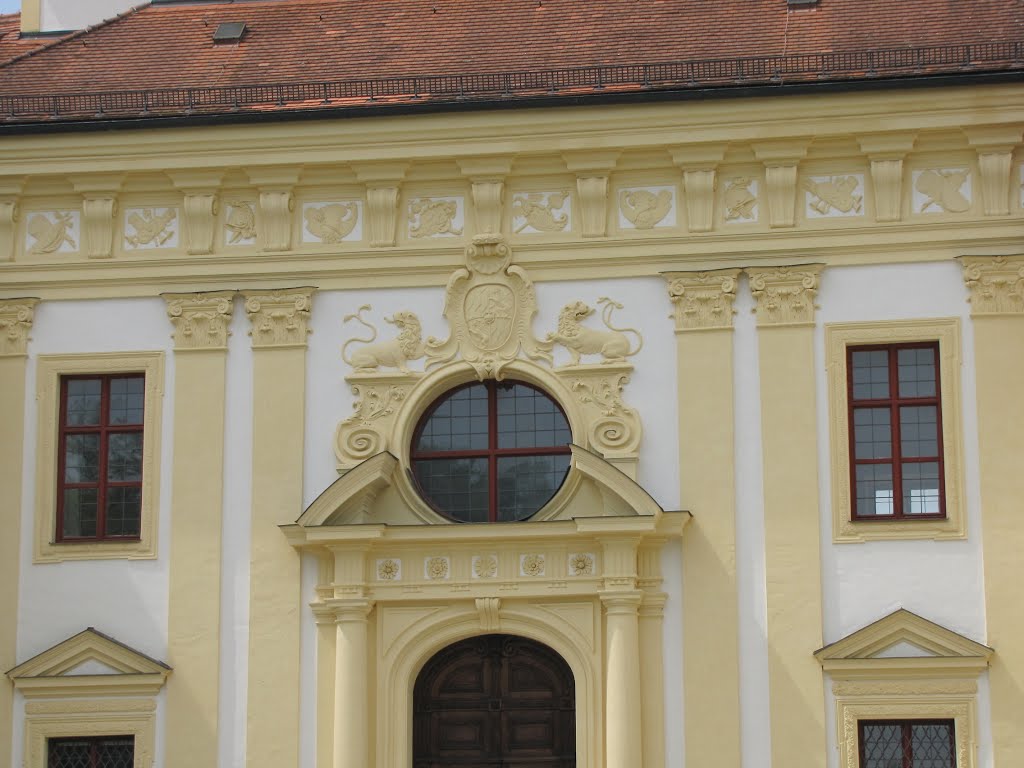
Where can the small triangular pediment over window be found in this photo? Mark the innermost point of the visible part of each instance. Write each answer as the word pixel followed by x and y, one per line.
pixel 89 662
pixel 904 639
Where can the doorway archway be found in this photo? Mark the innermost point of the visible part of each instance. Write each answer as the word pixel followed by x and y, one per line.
pixel 495 701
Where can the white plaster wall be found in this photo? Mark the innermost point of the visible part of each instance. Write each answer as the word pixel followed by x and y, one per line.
pixel 126 599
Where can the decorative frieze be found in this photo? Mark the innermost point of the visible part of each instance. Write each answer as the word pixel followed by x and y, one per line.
pixel 98 211
pixel 200 320
pixel 647 207
pixel 201 211
pixel 332 222
pixel 541 212
pixel 150 228
pixel 740 200
pixel 593 194
pixel 279 318
pixel 580 564
pixel 8 225
pixel 996 284
pixel 702 300
pixel 240 223
pixel 785 295
pixel 942 190
pixel 50 232
pixel 275 219
pixel 485 566
pixel 437 568
pixel 532 565
pixel 430 217
pixel 832 196
pixel 389 569
pixel 16 316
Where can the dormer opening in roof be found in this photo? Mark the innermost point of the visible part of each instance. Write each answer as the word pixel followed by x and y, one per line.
pixel 229 32
pixel 801 3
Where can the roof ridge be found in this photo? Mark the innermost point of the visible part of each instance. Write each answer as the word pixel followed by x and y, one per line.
pixel 77 34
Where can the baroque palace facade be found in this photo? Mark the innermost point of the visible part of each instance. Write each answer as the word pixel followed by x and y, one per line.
pixel 653 398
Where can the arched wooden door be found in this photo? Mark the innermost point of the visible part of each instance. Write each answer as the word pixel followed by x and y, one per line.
pixel 495 701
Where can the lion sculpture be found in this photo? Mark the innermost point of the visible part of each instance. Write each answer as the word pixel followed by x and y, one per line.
pixel 612 344
pixel 393 353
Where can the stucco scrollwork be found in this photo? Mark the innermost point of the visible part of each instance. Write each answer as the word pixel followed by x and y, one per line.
pixel 740 199
pixel 333 222
pixel 834 195
pixel 241 222
pixel 644 208
pixel 540 212
pixel 152 227
pixel 785 295
pixel 51 235
pixel 942 189
pixel 16 316
pixel 996 284
pixel 614 428
pixel 279 318
pixel 490 307
pixel 612 343
pixel 702 300
pixel 433 218
pixel 200 320
pixel 393 353
pixel 365 432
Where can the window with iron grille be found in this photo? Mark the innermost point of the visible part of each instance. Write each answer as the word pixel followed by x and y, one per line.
pixel 495 451
pixel 906 744
pixel 895 419
pixel 99 488
pixel 91 752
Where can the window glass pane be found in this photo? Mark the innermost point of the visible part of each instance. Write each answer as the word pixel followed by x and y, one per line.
pixel 916 372
pixel 919 431
pixel 126 400
pixel 527 483
pixel 931 744
pixel 921 488
pixel 80 512
pixel 457 487
pixel 70 753
pixel 874 490
pixel 872 433
pixel 83 406
pixel 459 423
pixel 529 419
pixel 124 510
pixel 124 457
pixel 102 752
pixel 82 459
pixel 870 372
pixel 882 745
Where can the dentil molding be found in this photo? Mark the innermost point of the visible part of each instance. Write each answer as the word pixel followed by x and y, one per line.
pixel 702 300
pixel 16 317
pixel 784 295
pixel 996 284
pixel 200 320
pixel 279 318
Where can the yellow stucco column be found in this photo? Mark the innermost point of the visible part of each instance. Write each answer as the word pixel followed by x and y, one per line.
pixel 997 309
pixel 280 321
pixel 785 317
pixel 16 317
pixel 193 627
pixel 652 652
pixel 702 304
pixel 351 704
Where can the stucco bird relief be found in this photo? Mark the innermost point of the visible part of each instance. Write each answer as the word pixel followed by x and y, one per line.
pixel 332 223
pixel 647 208
pixel 739 200
pixel 541 212
pixel 149 228
pixel 240 223
pixel 942 190
pixel 829 196
pixel 52 232
pixel 436 217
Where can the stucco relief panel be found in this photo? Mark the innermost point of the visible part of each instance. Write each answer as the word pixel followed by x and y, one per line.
pixel 150 228
pixel 48 232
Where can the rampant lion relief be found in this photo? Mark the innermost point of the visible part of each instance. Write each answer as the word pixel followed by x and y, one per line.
pixel 612 343
pixel 393 353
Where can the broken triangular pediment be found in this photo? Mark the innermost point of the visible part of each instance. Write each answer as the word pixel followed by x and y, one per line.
pixel 87 661
pixel 903 636
pixel 349 499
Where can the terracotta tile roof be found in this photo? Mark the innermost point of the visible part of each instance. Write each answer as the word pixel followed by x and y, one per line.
pixel 164 46
pixel 11 42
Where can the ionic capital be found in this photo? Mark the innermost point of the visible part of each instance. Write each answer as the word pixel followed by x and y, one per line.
pixel 785 295
pixel 350 611
pixel 200 320
pixel 624 603
pixel 280 318
pixel 702 300
pixel 16 316
pixel 996 284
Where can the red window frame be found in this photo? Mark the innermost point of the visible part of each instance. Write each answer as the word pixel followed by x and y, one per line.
pixel 492 453
pixel 95 744
pixel 104 429
pixel 905 727
pixel 896 460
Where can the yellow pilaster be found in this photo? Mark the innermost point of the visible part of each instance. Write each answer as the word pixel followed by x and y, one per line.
pixel 279 328
pixel 702 303
pixel 16 317
pixel 785 316
pixel 652 646
pixel 997 308
pixel 193 633
pixel 351 704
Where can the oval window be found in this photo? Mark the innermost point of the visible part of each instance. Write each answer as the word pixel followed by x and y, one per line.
pixel 492 451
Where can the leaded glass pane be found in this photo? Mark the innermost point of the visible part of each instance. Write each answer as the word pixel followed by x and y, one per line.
pixel 872 433
pixel 457 487
pixel 874 490
pixel 459 423
pixel 80 512
pixel 870 371
pixel 527 483
pixel 83 403
pixel 931 745
pixel 82 459
pixel 916 372
pixel 919 431
pixel 124 510
pixel 126 400
pixel 882 745
pixel 124 457
pixel 529 419
pixel 921 488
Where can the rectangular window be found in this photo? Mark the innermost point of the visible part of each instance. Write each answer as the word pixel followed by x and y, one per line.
pixel 906 744
pixel 91 752
pixel 895 432
pixel 99 493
